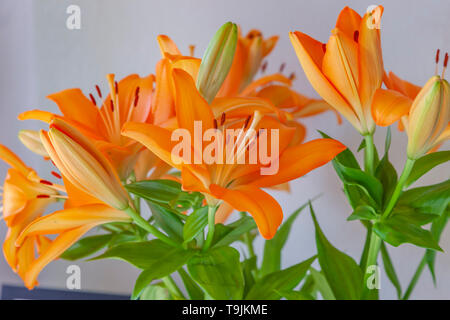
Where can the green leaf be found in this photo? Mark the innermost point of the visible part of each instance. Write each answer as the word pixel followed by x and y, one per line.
pixel 232 232
pixel 386 174
pixel 283 280
pixel 437 227
pixel 295 295
pixel 248 268
pixel 346 157
pixel 168 221
pixel 363 212
pixel 342 272
pixel 432 199
pixel 397 230
pixel 86 246
pixel 273 247
pixel 425 164
pixel 192 289
pixel 144 254
pixel 364 181
pixel 155 292
pixel 159 267
pixel 322 285
pixel 390 270
pixel 158 191
pixel 219 273
pixel 195 223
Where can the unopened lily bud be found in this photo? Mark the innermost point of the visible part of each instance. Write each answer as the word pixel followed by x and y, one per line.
pixel 429 117
pixel 83 165
pixel 31 139
pixel 217 61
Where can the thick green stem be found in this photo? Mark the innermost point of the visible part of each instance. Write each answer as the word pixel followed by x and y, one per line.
pixel 173 288
pixel 415 278
pixel 369 154
pixel 398 188
pixel 249 243
pixel 374 248
pixel 211 227
pixel 141 222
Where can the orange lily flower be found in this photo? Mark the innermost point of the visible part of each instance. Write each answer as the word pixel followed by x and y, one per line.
pixel 237 184
pixel 25 198
pixel 95 196
pixel 347 70
pixel 130 99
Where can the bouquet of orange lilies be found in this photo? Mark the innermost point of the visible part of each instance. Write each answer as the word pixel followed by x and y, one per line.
pixel 201 138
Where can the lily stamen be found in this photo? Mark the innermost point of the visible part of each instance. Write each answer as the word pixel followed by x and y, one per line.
pixel 437 61
pixel 445 65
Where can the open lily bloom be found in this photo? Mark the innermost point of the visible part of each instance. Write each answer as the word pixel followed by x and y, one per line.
pixel 348 69
pixel 128 100
pixel 25 198
pixel 239 184
pixel 93 194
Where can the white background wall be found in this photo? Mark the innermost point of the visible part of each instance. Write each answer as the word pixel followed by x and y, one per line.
pixel 39 56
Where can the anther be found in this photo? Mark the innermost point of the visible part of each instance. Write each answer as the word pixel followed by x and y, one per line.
pixel 111 105
pixel 292 76
pixel 356 36
pixel 46 182
pixel 445 65
pixel 42 196
pixel 215 124
pixel 283 65
pixel 136 96
pixel 92 99
pixel 98 91
pixel 324 47
pixel 191 50
pixel 222 118
pixel 247 121
pixel 437 61
pixel 264 66
pixel 56 174
pixel 116 87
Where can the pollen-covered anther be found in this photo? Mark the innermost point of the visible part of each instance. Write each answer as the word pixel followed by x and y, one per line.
pixel 264 66
pixel 282 66
pixel 223 118
pixel 98 91
pixel 356 36
pixel 292 76
pixel 136 96
pixel 445 65
pixel 56 174
pixel 46 182
pixel 92 99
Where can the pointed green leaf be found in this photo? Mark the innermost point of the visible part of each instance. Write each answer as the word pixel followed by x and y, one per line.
pixel 195 223
pixel 193 290
pixel 363 213
pixel 86 247
pixel 425 164
pixel 390 270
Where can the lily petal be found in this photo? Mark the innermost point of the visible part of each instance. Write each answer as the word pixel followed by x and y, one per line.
pixel 389 106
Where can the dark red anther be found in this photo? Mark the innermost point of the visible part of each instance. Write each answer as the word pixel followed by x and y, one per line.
pixel 446 60
pixel 292 76
pixel 136 96
pixel 264 66
pixel 116 87
pixel 111 105
pixel 324 47
pixel 222 118
pixel 46 182
pixel 215 124
pixel 98 91
pixel 283 65
pixel 92 99
pixel 437 55
pixel 356 35
pixel 247 122
pixel 56 174
pixel 42 196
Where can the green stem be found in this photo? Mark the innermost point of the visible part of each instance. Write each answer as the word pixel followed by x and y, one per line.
pixel 211 227
pixel 415 278
pixel 173 288
pixel 369 154
pixel 249 244
pixel 148 227
pixel 374 248
pixel 398 188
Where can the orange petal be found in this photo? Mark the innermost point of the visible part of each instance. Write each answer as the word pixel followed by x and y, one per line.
pixel 348 21
pixel 54 250
pixel 44 116
pixel 389 106
pixel 190 105
pixel 298 160
pixel 232 83
pixel 156 139
pixel 63 220
pixel 260 205
pixel 163 100
pixel 224 211
pixel 13 160
pixel 370 60
pixel 268 45
pixel 310 54
pixel 242 107
pixel 407 88
pixel 276 77
pixel 166 45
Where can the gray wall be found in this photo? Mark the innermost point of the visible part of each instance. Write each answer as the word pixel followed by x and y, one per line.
pixel 39 55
